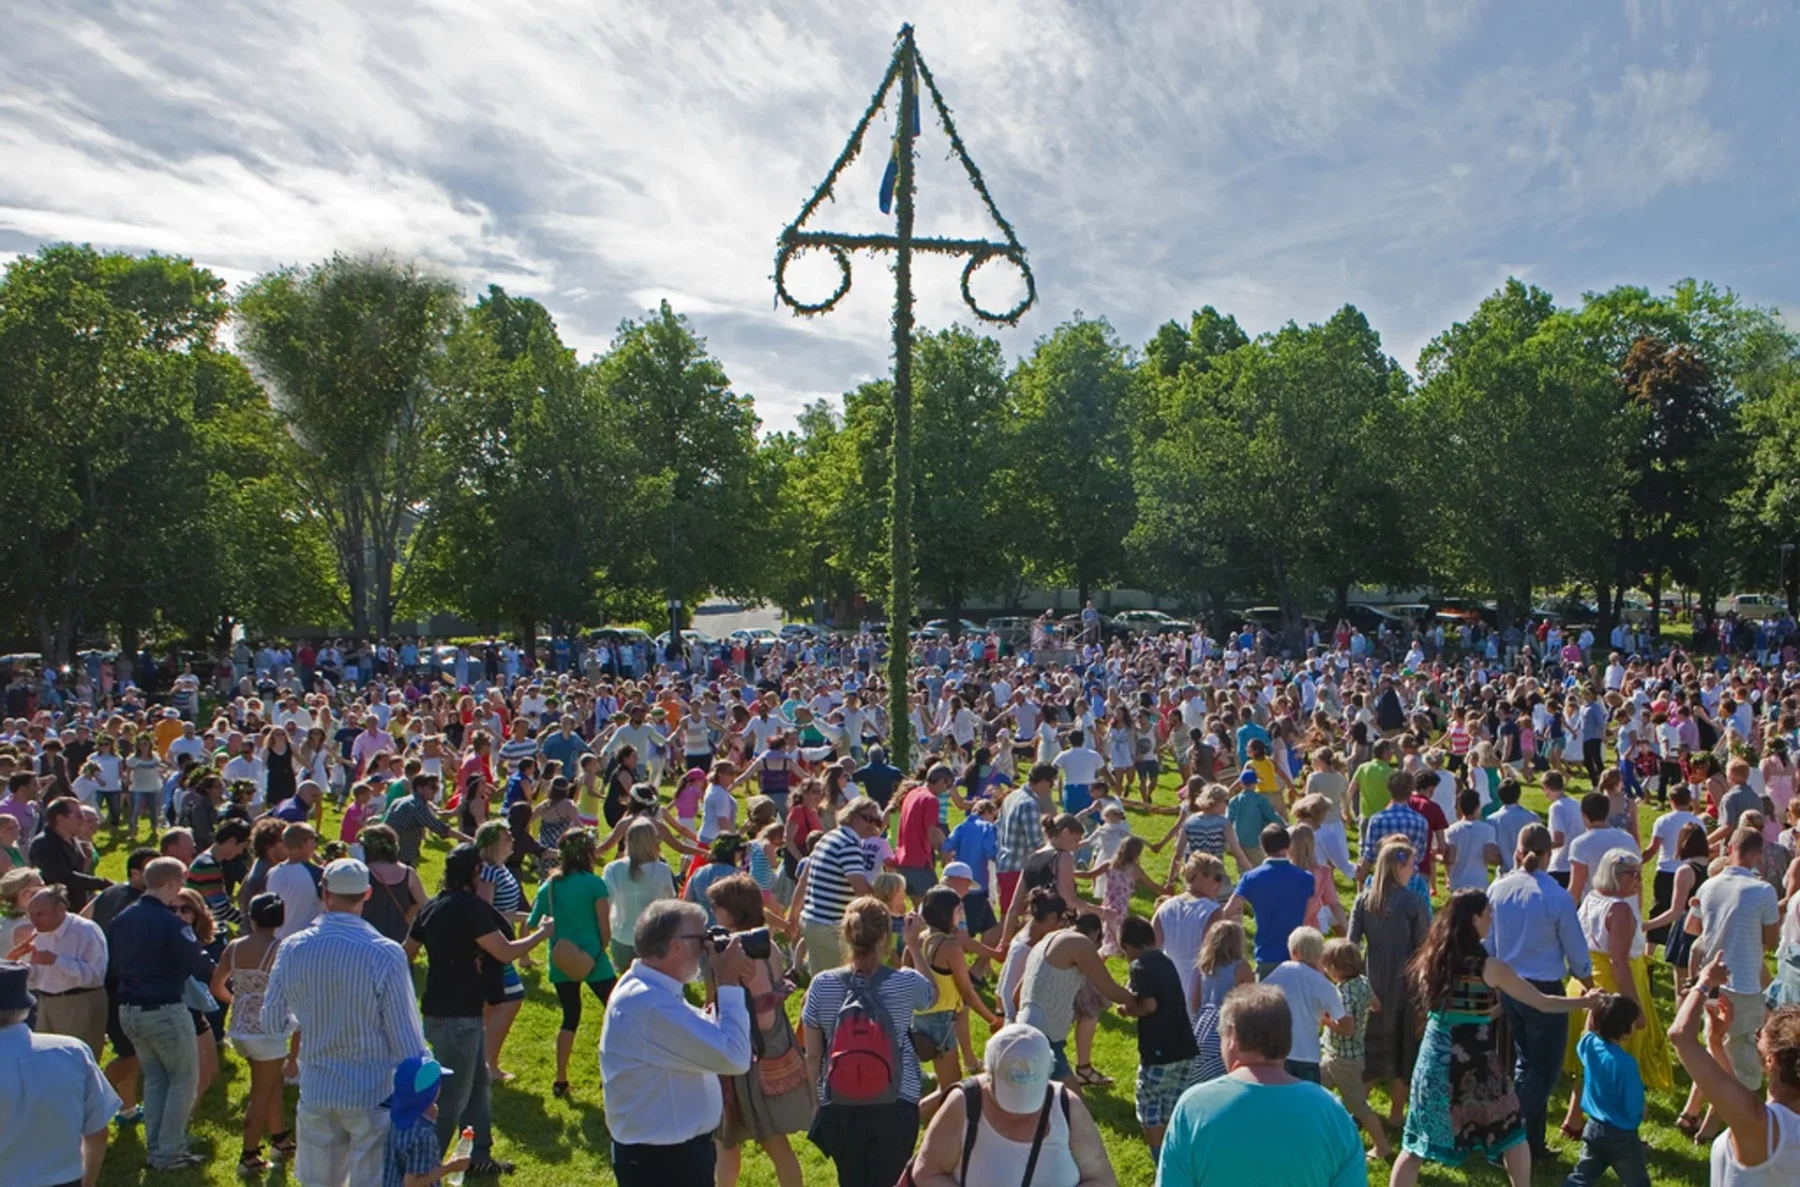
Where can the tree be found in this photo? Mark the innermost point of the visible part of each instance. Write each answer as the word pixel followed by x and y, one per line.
pixel 1524 449
pixel 132 451
pixel 521 524
pixel 700 501
pixel 962 417
pixel 1075 401
pixel 352 351
pixel 1270 468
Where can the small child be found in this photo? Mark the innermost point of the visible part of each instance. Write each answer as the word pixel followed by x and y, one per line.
pixel 1250 812
pixel 1342 1067
pixel 356 815
pixel 1123 874
pixel 1472 843
pixel 1612 1096
pixel 1166 1048
pixel 1222 968
pixel 1103 843
pixel 1311 998
pixel 414 1158
pixel 890 888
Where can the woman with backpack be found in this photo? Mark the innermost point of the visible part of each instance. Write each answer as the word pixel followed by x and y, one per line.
pixel 857 1022
pixel 1013 1122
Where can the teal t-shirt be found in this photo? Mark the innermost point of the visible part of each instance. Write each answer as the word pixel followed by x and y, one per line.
pixel 1226 1133
pixel 570 900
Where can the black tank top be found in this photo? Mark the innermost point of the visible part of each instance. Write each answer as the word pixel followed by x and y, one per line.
pixel 1040 870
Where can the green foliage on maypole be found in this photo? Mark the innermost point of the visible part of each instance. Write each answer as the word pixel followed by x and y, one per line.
pixel 908 69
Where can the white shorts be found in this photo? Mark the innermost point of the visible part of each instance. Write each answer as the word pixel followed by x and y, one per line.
pixel 261 1048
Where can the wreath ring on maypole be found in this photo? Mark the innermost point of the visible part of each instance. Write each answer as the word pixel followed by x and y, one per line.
pixel 787 253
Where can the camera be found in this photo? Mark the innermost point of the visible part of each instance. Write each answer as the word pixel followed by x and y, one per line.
pixel 755 941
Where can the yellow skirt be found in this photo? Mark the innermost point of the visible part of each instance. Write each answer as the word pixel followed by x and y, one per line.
pixel 1647 1044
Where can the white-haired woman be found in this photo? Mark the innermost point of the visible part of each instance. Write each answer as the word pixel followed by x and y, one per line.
pixel 1614 929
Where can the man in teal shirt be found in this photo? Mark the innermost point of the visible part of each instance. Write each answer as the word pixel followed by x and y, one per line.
pixel 1240 1128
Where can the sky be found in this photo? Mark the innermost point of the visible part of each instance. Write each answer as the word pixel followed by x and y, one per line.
pixel 1272 158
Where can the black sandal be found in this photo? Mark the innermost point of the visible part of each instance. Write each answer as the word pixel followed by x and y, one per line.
pixel 282 1146
pixel 251 1163
pixel 559 1089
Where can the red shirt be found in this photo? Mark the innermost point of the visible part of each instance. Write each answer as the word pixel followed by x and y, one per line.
pixel 1434 816
pixel 802 822
pixel 918 816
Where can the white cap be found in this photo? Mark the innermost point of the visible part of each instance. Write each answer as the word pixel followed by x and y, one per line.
pixel 958 869
pixel 1018 1067
pixel 346 875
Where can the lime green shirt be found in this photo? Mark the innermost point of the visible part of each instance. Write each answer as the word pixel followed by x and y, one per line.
pixel 1372 787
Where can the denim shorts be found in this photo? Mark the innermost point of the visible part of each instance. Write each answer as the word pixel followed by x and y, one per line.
pixel 938 1026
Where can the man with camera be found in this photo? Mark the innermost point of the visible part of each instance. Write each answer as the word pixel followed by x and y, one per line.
pixel 661 1058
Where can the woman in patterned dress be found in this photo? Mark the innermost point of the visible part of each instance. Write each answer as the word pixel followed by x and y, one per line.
pixel 1462 1099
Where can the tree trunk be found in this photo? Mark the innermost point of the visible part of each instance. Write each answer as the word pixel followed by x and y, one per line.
pixel 1603 600
pixel 1656 588
pixel 1340 600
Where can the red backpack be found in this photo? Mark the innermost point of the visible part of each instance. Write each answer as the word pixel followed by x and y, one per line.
pixel 862 1064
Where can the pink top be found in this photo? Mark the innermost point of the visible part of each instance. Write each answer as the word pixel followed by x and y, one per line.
pixel 354 816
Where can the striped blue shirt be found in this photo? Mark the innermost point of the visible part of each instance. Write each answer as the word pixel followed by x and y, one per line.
pixel 347 989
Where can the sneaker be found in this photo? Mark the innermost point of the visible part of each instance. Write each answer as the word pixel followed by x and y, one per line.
pixel 131 1116
pixel 180 1162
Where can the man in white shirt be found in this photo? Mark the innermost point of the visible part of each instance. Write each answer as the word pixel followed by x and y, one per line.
pixel 1080 765
pixel 661 1058
pixel 1601 838
pixel 188 743
pixel 67 957
pixel 1564 821
pixel 1665 834
pixel 54 1103
pixel 1739 917
pixel 296 880
pixel 1615 673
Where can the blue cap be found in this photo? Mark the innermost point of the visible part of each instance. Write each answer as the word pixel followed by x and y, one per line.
pixel 1247 777
pixel 415 1089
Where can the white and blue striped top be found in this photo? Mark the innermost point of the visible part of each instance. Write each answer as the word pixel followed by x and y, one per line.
pixel 347 989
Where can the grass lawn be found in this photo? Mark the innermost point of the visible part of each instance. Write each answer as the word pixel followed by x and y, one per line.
pixel 561 1142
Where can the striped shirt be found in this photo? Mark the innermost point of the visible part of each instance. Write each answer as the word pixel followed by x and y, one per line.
pixel 207 876
pixel 902 993
pixel 350 1053
pixel 836 857
pixel 517 748
pixel 508 898
pixel 1021 831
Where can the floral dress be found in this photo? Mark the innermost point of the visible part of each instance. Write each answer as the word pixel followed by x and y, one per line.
pixel 1462 1099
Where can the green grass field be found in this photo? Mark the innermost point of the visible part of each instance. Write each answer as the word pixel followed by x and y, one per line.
pixel 561 1142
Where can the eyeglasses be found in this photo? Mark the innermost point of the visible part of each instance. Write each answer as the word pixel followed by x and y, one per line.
pixel 693 935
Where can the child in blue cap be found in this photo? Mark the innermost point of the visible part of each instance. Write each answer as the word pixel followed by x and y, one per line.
pixel 414 1158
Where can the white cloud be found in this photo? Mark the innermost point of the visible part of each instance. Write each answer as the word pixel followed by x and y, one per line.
pixel 1273 159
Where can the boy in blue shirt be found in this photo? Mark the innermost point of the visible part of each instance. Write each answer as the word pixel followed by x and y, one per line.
pixel 414 1158
pixel 1250 812
pixel 1612 1096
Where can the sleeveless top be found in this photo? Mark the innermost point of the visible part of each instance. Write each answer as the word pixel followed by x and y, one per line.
pixel 1592 914
pixel 247 989
pixel 1215 986
pixel 1781 1168
pixel 1039 870
pixel 1205 834
pixel 1047 994
pixel 996 1158
pixel 1469 993
pixel 386 907
pixel 949 997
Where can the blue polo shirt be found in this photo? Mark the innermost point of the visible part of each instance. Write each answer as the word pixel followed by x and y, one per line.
pixel 1277 891
pixel 977 842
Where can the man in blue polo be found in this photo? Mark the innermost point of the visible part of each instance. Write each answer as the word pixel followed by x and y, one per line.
pixel 1276 892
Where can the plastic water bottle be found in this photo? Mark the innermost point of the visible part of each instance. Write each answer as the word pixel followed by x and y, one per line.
pixel 464 1144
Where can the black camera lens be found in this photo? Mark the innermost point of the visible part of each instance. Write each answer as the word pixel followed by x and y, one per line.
pixel 756 943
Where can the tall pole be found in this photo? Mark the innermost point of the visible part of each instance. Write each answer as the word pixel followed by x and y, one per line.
pixel 900 595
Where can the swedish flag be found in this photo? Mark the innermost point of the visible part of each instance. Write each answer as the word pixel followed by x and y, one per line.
pixel 890 177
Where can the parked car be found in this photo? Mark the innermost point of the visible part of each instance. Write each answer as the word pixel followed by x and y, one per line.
pixel 689 634
pixel 762 636
pixel 613 636
pixel 797 631
pixel 1753 605
pixel 939 628
pixel 1151 622
pixel 1013 630
pixel 1371 620
pixel 1110 629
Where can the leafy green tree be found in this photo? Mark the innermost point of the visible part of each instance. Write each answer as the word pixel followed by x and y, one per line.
pixel 1271 468
pixel 521 526
pixel 962 425
pixel 1524 455
pixel 1075 395
pixel 134 452
pixel 353 353
pixel 701 501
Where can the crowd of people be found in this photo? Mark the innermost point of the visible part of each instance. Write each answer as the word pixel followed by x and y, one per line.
pixel 1364 933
